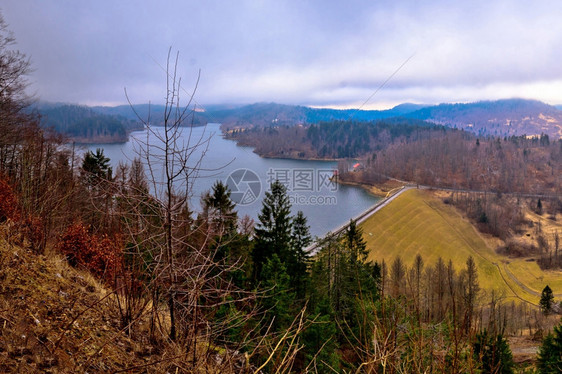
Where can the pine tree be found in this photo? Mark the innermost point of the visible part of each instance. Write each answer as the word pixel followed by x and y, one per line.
pixel 300 241
pixel 547 298
pixel 219 208
pixel 320 338
pixel 301 238
pixel 96 172
pixel 550 353
pixel 471 291
pixel 355 243
pixel 273 232
pixel 278 297
pixel 96 166
pixel 493 353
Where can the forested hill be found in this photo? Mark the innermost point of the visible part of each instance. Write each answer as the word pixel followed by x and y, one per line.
pixel 499 118
pixel 511 117
pixel 334 139
pixel 146 111
pixel 103 124
pixel 86 125
pixel 265 114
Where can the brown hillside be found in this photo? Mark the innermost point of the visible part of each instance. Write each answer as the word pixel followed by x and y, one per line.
pixel 500 118
pixel 57 319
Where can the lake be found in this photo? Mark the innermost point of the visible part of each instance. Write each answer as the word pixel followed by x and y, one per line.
pixel 327 205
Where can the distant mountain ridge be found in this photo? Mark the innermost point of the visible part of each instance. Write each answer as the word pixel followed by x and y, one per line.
pixel 499 118
pixel 263 114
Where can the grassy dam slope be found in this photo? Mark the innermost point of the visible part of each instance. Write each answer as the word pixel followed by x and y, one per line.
pixel 418 222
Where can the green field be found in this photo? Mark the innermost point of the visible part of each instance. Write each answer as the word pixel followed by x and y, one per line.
pixel 418 222
pixel 531 275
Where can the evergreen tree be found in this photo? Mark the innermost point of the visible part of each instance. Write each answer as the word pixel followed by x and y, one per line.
pixel 301 238
pixel 232 247
pixel 219 209
pixel 355 243
pixel 547 298
pixel 299 242
pixel 278 298
pixel 96 172
pixel 95 166
pixel 320 338
pixel 493 353
pixel 363 276
pixel 550 353
pixel 273 232
pixel 470 292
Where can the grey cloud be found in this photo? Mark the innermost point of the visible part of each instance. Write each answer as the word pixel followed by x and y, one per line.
pixel 298 52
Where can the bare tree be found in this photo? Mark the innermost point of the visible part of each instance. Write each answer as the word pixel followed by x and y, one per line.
pixel 14 67
pixel 181 254
pixel 169 154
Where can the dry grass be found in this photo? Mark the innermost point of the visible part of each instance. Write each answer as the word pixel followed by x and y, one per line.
pixel 530 274
pixel 419 222
pixel 548 227
pixel 54 318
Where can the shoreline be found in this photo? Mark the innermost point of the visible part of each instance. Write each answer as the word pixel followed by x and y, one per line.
pixel 292 158
pixel 239 144
pixel 373 190
pixel 379 190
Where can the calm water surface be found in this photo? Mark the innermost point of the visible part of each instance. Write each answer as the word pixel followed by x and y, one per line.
pixel 325 204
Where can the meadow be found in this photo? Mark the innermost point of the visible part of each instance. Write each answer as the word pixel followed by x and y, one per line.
pixel 419 222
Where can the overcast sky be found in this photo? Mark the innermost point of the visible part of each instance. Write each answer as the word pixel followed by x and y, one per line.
pixel 319 53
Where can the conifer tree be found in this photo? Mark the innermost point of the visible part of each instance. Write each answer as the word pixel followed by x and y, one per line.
pixel 96 166
pixel 550 353
pixel 299 242
pixel 471 291
pixel 96 172
pixel 493 353
pixel 273 232
pixel 364 276
pixel 547 298
pixel 355 243
pixel 219 208
pixel 278 298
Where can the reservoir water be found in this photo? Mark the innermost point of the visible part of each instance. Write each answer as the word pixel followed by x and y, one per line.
pixel 327 205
